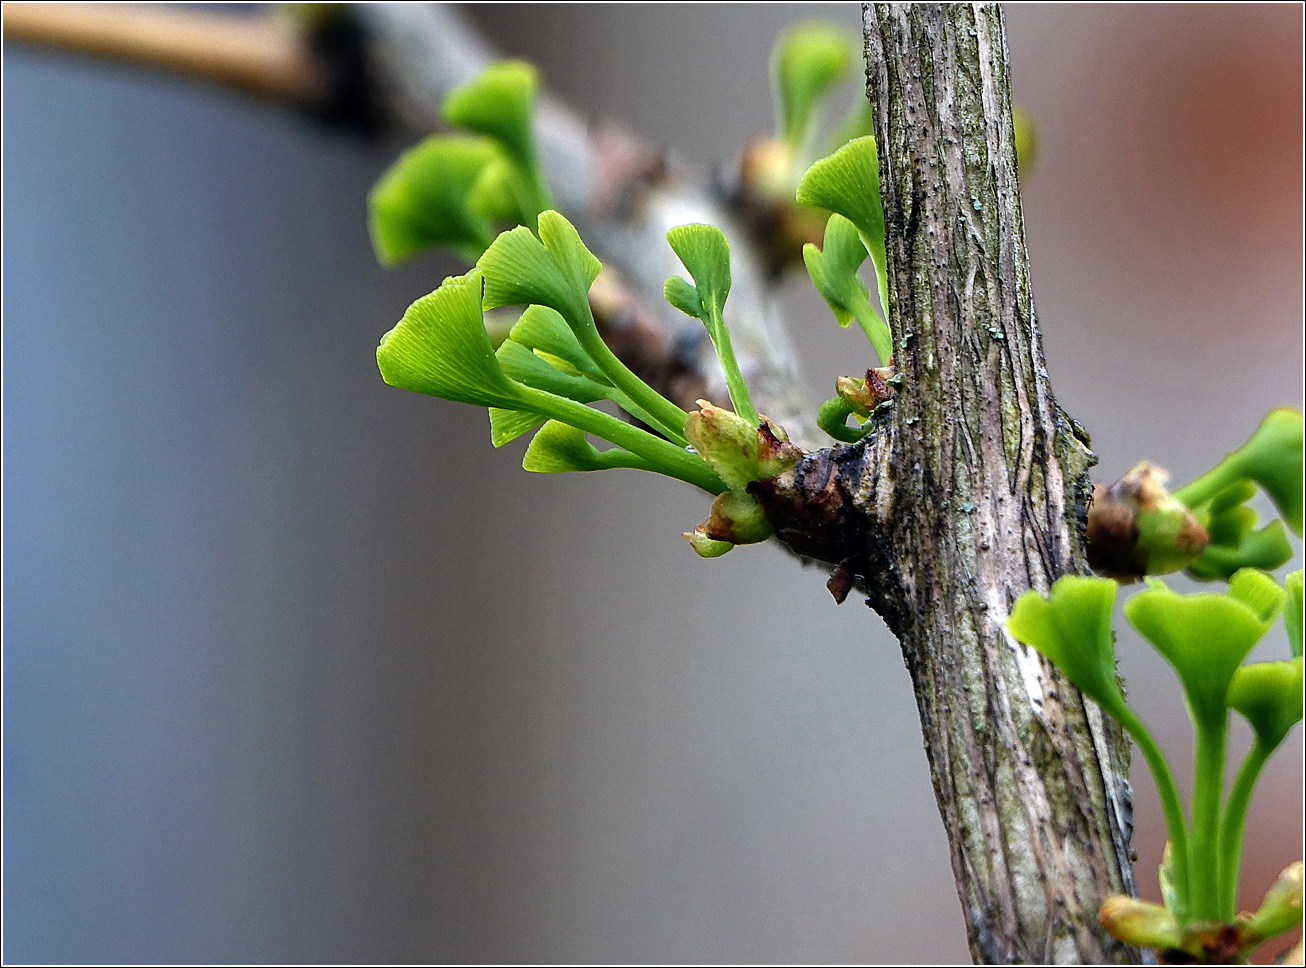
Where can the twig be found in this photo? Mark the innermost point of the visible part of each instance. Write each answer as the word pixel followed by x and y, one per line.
pixel 264 56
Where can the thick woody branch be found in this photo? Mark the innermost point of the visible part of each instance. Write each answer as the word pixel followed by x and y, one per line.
pixel 978 483
pixel 973 489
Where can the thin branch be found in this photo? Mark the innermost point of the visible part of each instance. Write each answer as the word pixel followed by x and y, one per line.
pixel 264 56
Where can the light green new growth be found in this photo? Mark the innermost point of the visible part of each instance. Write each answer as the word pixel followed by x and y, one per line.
pixel 500 103
pixel 704 251
pixel 440 347
pixel 1269 696
pixel 425 200
pixel 558 448
pixel 848 183
pixel 556 270
pixel 806 61
pixel 833 269
pixel 1072 629
pixel 1205 638
pixel 1272 459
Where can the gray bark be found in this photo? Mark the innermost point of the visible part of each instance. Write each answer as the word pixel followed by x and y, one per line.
pixel 980 490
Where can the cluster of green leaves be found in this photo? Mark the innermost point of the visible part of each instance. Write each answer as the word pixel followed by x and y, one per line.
pixel 1205 638
pixel 452 191
pixel 1270 460
pixel 456 190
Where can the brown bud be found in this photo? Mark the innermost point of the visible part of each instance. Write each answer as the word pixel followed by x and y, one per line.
pixel 1136 528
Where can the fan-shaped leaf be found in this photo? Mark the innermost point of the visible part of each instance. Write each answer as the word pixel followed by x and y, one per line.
pixel 424 200
pixel 1072 628
pixel 440 347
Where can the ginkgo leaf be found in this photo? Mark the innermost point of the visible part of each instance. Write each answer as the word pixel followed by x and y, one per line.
pixel 554 270
pixel 440 347
pixel 559 448
pixel 704 251
pixel 507 425
pixel 1205 637
pixel 541 328
pixel 422 201
pixel 525 366
pixel 848 183
pixel 833 269
pixel 1072 628
pixel 499 102
pixel 806 62
pixel 1272 458
pixel 1269 696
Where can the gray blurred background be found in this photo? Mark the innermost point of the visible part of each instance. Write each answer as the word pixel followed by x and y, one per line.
pixel 299 668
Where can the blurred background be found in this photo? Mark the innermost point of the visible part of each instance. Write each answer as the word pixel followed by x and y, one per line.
pixel 298 668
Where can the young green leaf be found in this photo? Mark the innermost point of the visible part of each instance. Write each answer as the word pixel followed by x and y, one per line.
pixel 424 200
pixel 833 269
pixel 507 425
pixel 806 61
pixel 500 103
pixel 1265 549
pixel 440 347
pixel 1269 696
pixel 558 448
pixel 1272 458
pixel 1072 628
pixel 540 328
pixel 1205 637
pixel 525 366
pixel 704 251
pixel 520 269
pixel 681 295
pixel 848 183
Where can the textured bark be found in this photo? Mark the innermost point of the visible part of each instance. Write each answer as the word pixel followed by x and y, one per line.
pixel 978 489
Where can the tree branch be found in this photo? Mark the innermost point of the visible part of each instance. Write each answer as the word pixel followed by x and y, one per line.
pixel 981 493
pixel 972 489
pixel 263 56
